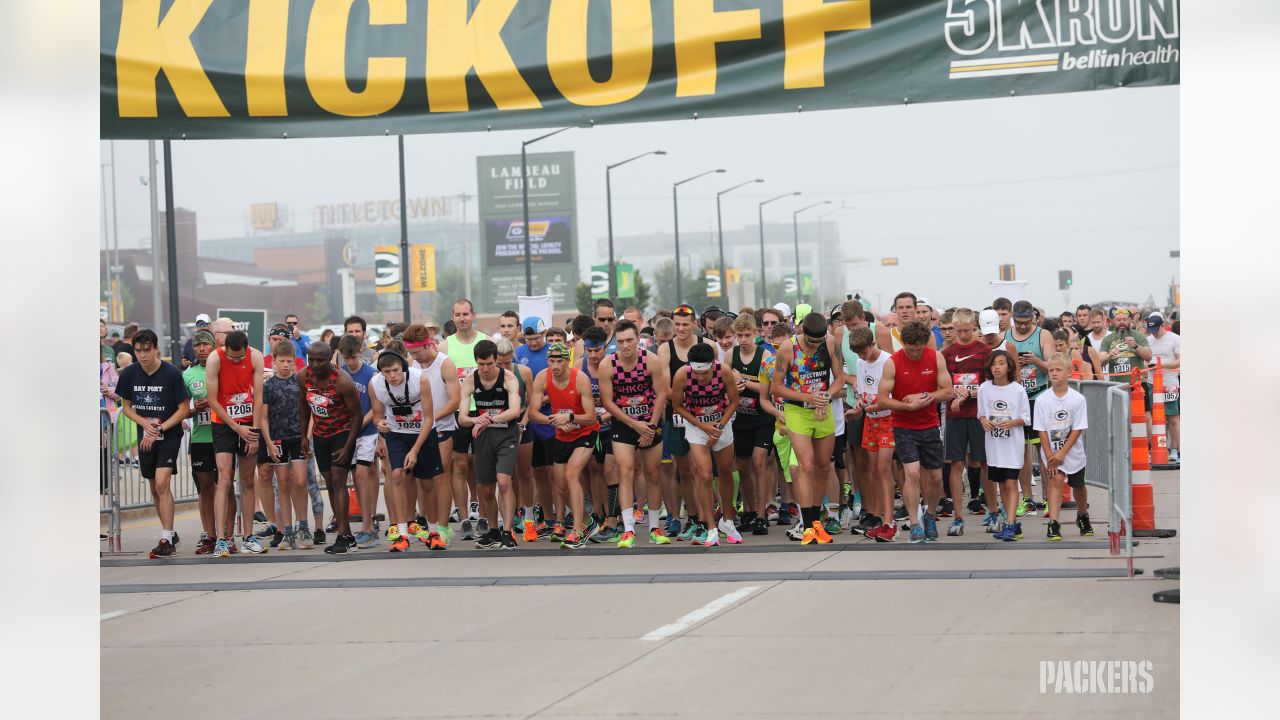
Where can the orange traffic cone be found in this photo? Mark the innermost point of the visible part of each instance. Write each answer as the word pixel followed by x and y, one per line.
pixel 1144 511
pixel 353 505
pixel 1159 441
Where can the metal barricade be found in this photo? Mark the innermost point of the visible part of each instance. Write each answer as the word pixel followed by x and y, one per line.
pixel 1107 457
pixel 109 478
pixel 134 490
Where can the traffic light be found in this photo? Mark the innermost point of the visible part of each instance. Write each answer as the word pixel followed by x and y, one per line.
pixel 1064 279
pixel 1007 273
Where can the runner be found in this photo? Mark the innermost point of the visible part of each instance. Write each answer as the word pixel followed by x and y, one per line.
pixel 1167 346
pixel 705 394
pixel 805 377
pixel 402 402
pixel 495 434
pixel 203 467
pixel 752 425
pixel 913 382
pixel 904 308
pixel 233 380
pixel 634 389
pixel 605 316
pixel 440 371
pixel 533 356
pixel 876 437
pixel 965 437
pixel 1003 412
pixel 508 327
pixel 674 354
pixel 155 397
pixel 1061 417
pixel 281 446
pixel 603 473
pixel 574 418
pixel 329 413
pixel 1033 346
pixel 1004 309
pixel 356 327
pixel 351 349
pixel 460 347
pixel 788 513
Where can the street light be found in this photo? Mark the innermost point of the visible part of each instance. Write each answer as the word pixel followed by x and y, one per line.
pixel 795 237
pixel 608 199
pixel 524 191
pixel 760 222
pixel 675 205
pixel 724 276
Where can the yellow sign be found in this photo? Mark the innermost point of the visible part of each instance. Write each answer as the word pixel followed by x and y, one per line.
pixel 713 280
pixel 264 216
pixel 888 261
pixel 422 268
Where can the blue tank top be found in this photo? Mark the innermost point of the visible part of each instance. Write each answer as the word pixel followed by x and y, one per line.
pixel 537 362
pixel 1032 380
pixel 362 378
pixel 595 392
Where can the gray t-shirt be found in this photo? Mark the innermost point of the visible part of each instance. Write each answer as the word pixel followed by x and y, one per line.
pixel 281 396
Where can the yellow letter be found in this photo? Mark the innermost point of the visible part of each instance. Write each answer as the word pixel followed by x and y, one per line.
pixel 264 57
pixel 632 52
pixel 326 60
pixel 148 44
pixel 698 28
pixel 455 44
pixel 806 24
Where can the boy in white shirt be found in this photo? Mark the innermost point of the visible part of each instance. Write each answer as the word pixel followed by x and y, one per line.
pixel 1003 412
pixel 1061 417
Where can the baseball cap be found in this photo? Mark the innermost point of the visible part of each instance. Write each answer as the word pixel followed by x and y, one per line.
pixel 1023 309
pixel 202 336
pixel 202 319
pixel 988 322
pixel 924 302
pixel 557 350
pixel 1154 320
pixel 802 309
pixel 783 308
pixel 533 325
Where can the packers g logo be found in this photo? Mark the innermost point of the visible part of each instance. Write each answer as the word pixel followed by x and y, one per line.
pixel 1000 405
pixel 868 381
pixel 1060 415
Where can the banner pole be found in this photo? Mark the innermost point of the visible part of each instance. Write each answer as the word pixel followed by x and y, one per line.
pixel 404 237
pixel 171 249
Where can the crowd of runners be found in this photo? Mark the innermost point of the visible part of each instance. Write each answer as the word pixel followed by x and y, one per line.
pixel 702 427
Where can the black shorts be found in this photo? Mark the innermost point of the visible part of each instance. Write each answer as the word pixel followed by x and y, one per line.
pixel 922 446
pixel 1076 479
pixel 562 450
pixel 228 441
pixel 965 436
pixel 543 452
pixel 749 436
pixel 428 464
pixel 326 447
pixel 838 450
pixel 462 440
pixel 853 428
pixel 290 450
pixel 527 436
pixel 603 446
pixel 999 475
pixel 622 433
pixel 159 456
pixel 202 460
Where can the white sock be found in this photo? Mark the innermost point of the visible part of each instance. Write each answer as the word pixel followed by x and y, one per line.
pixel 528 513
pixel 629 521
pixel 433 527
pixel 833 510
pixel 655 518
pixel 166 535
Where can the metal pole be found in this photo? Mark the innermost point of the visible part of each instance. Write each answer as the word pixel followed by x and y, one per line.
pixel 608 201
pixel 795 237
pixel 171 248
pixel 675 209
pixel 760 222
pixel 106 251
pixel 466 250
pixel 115 231
pixel 528 243
pixel 404 238
pixel 155 232
pixel 724 278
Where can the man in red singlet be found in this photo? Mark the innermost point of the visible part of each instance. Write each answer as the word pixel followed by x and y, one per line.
pixel 331 401
pixel 233 380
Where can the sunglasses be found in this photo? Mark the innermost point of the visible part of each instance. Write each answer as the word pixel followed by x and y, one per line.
pixel 607 319
pixel 683 310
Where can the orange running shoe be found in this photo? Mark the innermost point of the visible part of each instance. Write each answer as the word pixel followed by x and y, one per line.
pixel 820 533
pixel 530 531
pixel 435 542
pixel 401 544
pixel 810 537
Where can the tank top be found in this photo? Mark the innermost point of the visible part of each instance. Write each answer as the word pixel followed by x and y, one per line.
pixel 809 372
pixel 235 387
pixel 673 365
pixel 605 424
pixel 633 389
pixel 1032 380
pixel 362 378
pixel 707 400
pixel 462 355
pixel 912 377
pixel 568 399
pixel 869 374
pixel 329 412
pixel 439 393
pixel 402 404
pixel 749 400
pixel 492 401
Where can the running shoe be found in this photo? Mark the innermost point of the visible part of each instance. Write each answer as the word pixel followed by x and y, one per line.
pixel 957 528
pixel 628 538
pixel 419 519
pixel 991 521
pixel 290 541
pixel 401 544
pixel 809 537
pixel 729 531
pixel 341 545
pixel 332 527
pixel 222 548
pixel 1174 457
pixel 558 533
pixel 637 516
pixel 869 523
pixel 163 549
pixel 1054 532
pixel 367 540
pixel 946 508
pixel 543 529
pixel 673 527
pixel 573 541
pixel 258 517
pixel 232 546
pixel 508 540
pixel 482 526
pixel 1082 522
pixel 689 531
pixel 419 532
pixel 976 507
pixel 206 544
pixel 771 513
pixel 530 531
pixel 473 511
pixel 454 516
pixel 250 545
pixel 761 527
pixel 305 540
pixel 393 532
pixel 568 519
pixel 489 541
pixel 831 525
pixel 930 527
pixel 446 533
pixel 658 537
pixel 917 535
pixel 319 537
pixel 900 514
pixel 1017 531
pixel 276 538
pixel 796 532
pixel 467 532
pixel 1005 533
pixel 591 529
pixel 1023 505
pixel 699 535
pixel 712 539
pixel 885 533
pixel 606 534
pixel 435 542
pixel 824 537
pixel 848 518
pixel 266 532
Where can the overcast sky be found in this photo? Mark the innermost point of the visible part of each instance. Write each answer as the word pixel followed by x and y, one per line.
pixel 1081 181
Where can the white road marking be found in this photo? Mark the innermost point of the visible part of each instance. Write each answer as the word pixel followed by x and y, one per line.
pixel 113 615
pixel 699 615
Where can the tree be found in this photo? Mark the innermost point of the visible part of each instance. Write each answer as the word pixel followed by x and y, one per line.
pixel 582 298
pixel 664 282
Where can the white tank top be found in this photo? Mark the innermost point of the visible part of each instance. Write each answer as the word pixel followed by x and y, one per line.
pixel 440 394
pixel 869 382
pixel 402 397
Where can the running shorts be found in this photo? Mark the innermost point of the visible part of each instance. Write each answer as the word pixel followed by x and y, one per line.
pixel 428 464
pixel 801 422
pixel 159 456
pixel 965 436
pixel 877 434
pixel 202 459
pixel 495 453
pixel 695 436
pixel 922 446
pixel 326 447
pixel 290 451
pixel 562 450
pixel 746 438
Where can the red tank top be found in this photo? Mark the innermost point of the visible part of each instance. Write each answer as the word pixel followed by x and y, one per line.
pixel 329 412
pixel 569 399
pixel 912 377
pixel 235 387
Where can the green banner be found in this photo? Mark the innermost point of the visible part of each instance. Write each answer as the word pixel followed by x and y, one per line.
pixel 789 284
pixel 600 281
pixel 310 68
pixel 252 322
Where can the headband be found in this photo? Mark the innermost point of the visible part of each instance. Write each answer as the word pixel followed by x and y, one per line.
pixel 558 350
pixel 590 345
pixel 700 366
pixel 416 345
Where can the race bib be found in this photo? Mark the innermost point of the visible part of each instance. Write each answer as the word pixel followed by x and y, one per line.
pixel 747 406
pixel 1058 438
pixel 319 404
pixel 709 414
pixel 677 420
pixel 493 413
pixel 1171 395
pixel 1121 365
pixel 1027 376
pixel 240 407
pixel 637 407
pixel 968 381
pixel 997 432
pixel 409 422
pixel 203 417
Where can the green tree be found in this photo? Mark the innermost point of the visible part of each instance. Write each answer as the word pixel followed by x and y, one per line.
pixel 582 298
pixel 664 283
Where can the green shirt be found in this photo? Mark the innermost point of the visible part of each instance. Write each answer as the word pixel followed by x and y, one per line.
pixel 201 430
pixel 109 355
pixel 1127 360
